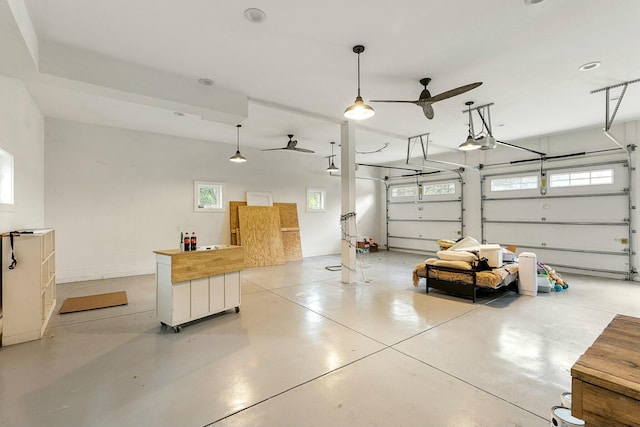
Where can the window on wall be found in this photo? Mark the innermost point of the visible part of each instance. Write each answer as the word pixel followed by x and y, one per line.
pixel 6 178
pixel 207 196
pixel 581 178
pixel 529 182
pixel 316 199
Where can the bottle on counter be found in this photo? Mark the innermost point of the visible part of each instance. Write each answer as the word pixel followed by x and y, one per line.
pixel 194 241
pixel 187 242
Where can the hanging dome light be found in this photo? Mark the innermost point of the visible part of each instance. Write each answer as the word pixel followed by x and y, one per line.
pixel 332 167
pixel 470 144
pixel 238 158
pixel 359 110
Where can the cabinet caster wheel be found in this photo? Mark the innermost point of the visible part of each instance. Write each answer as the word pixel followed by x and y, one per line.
pixel 177 329
pixel 163 326
pixel 237 309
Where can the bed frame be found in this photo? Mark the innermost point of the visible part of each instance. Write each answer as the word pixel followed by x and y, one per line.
pixel 459 288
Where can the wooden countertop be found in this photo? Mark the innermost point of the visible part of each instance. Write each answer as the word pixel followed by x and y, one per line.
pixel 174 252
pixel 606 378
pixel 190 265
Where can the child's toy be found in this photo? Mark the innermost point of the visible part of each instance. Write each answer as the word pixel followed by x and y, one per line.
pixel 558 283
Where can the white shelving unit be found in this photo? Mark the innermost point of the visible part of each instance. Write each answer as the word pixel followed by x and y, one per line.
pixel 29 290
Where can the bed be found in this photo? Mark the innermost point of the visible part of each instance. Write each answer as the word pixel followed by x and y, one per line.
pixel 458 277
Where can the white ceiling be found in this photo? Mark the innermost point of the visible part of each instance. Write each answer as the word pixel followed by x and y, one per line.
pixel 298 70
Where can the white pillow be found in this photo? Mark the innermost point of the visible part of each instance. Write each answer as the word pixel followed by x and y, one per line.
pixel 457 256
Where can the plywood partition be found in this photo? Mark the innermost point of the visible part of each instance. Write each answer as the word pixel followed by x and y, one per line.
pixel 261 235
pixel 292 245
pixel 290 231
pixel 289 227
pixel 234 222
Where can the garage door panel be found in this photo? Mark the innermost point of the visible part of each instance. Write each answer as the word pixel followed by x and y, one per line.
pixel 415 224
pixel 424 230
pixel 586 261
pixel 446 210
pixel 579 209
pixel 582 223
pixel 413 244
pixel 601 238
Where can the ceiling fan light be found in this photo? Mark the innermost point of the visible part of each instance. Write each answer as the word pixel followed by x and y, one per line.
pixel 469 145
pixel 359 110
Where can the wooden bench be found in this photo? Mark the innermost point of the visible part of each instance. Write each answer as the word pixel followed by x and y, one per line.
pixel 606 378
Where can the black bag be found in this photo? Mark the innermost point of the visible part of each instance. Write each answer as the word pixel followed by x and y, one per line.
pixel 481 264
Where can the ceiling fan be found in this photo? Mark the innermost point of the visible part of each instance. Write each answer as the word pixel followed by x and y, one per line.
pixel 426 99
pixel 291 145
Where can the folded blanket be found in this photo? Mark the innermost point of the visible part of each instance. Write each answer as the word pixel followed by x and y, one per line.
pixel 420 267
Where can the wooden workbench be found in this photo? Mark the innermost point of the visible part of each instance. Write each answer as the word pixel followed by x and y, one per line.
pixel 606 378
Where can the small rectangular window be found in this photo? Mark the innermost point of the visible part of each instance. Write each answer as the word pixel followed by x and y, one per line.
pixel 6 178
pixel 207 196
pixel 316 199
pixel 515 183
pixel 581 178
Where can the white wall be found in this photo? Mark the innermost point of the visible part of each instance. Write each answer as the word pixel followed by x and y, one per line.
pixel 22 136
pixel 115 195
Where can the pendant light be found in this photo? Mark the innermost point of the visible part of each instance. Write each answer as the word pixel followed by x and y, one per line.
pixel 359 110
pixel 332 167
pixel 238 158
pixel 470 143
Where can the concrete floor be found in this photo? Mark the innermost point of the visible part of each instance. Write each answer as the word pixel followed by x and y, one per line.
pixel 307 350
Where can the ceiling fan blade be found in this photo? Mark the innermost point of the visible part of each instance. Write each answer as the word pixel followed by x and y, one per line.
pixel 303 150
pixel 427 109
pixel 454 92
pixel 273 149
pixel 388 100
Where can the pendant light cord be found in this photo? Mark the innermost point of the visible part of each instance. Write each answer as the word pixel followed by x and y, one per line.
pixel 358 75
pixel 238 143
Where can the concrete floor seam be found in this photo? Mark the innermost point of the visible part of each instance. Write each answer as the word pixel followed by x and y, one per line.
pixel 80 322
pixel 325 317
pixel 469 383
pixel 297 386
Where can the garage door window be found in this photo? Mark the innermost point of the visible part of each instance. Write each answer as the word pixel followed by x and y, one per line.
pixel 581 178
pixel 515 183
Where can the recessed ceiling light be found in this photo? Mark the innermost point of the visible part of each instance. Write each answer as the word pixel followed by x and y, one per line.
pixel 206 82
pixel 255 15
pixel 178 113
pixel 589 66
pixel 533 1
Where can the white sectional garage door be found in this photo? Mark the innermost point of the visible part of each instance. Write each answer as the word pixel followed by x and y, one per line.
pixel 420 213
pixel 580 222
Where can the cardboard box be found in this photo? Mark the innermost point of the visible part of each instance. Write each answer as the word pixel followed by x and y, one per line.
pixel 493 253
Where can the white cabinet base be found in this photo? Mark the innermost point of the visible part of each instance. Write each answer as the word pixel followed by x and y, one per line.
pixel 183 302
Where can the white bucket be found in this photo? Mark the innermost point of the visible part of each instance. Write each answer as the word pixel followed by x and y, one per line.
pixel 561 417
pixel 566 399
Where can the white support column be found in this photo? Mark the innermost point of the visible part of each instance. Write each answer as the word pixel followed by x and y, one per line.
pixel 348 205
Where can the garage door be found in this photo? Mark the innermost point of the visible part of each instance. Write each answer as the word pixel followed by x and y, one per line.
pixel 421 212
pixel 572 217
